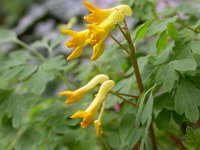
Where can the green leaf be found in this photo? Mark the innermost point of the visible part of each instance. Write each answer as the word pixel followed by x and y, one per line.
pixel 141 31
pixel 126 127
pixel 164 101
pixel 140 108
pixel 16 58
pixel 40 44
pixel 147 112
pixel 192 139
pixel 4 94
pixel 187 100
pixel 162 41
pixel 178 118
pixel 184 64
pixel 28 70
pixel 39 80
pixel 141 101
pixel 136 137
pixel 7 35
pixel 54 63
pixel 163 119
pixel 146 143
pixel 172 31
pixel 31 138
pixel 22 55
pixel 113 139
pixel 164 56
pixel 167 76
pixel 14 106
pixel 181 50
pixel 195 46
pixel 159 26
pixel 11 72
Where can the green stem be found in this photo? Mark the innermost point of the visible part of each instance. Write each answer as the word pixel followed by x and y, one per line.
pixel 155 13
pixel 120 45
pixel 34 51
pixel 123 94
pixel 138 77
pixel 125 100
pixel 18 135
pixel 134 59
pixel 184 25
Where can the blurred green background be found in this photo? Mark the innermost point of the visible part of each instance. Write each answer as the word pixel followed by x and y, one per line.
pixel 32 115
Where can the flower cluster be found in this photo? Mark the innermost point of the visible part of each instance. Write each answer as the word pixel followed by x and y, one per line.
pixel 88 115
pixel 100 24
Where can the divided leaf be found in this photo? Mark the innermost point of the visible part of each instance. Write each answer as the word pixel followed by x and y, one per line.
pixel 39 81
pixel 187 100
pixel 184 64
pixel 163 119
pixel 192 139
pixel 7 36
pixel 167 76
pixel 14 106
pixel 54 63
pixel 159 26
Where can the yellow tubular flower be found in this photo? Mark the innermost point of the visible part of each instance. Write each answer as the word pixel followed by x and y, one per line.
pixel 99 15
pixel 98 127
pixel 78 40
pixel 89 114
pixel 97 122
pixel 98 33
pixel 79 93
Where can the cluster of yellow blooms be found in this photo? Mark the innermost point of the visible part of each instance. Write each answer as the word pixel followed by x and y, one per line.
pixel 89 114
pixel 101 22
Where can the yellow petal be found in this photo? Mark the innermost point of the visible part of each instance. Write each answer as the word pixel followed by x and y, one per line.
pixel 125 9
pixel 98 127
pixel 65 93
pixel 88 117
pixel 69 32
pixel 110 22
pixel 79 114
pixel 96 34
pixel 91 7
pixel 98 49
pixel 76 53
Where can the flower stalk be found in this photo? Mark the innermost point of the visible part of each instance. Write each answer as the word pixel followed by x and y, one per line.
pixel 132 52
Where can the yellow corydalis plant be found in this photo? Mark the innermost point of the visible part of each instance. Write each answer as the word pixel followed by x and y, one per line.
pixel 88 115
pixel 102 21
pixel 79 93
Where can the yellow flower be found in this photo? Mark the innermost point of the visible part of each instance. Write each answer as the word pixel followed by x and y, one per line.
pixel 79 93
pixel 98 33
pixel 102 22
pixel 78 40
pixel 99 15
pixel 98 127
pixel 89 114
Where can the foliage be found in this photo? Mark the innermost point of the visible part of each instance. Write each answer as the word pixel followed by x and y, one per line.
pixel 33 116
